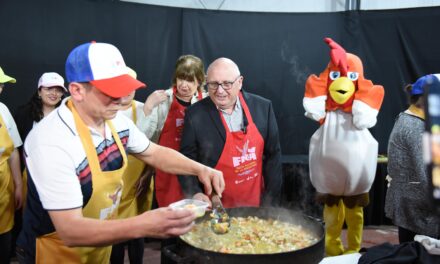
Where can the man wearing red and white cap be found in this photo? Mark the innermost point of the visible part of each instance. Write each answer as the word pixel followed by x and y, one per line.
pixel 76 157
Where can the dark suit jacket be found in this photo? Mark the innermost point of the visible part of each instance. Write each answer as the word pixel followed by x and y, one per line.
pixel 204 137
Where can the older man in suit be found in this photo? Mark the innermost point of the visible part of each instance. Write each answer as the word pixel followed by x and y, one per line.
pixel 236 132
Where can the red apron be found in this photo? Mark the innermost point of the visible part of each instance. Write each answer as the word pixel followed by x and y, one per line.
pixel 241 163
pixel 168 189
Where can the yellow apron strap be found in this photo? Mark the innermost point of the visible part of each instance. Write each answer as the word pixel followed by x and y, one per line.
pixel 118 143
pixel 133 111
pixel 86 140
pixel 24 189
pixel 143 205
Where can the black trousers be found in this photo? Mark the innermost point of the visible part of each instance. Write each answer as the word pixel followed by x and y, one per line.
pixel 5 247
pixel 135 252
pixel 405 235
pixel 164 243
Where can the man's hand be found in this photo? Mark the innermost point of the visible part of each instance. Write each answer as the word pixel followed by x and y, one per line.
pixel 166 222
pixel 212 178
pixel 153 100
pixel 171 161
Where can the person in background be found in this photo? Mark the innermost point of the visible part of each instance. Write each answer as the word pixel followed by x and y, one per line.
pixel 138 188
pixel 236 132
pixel 48 95
pixel 165 112
pixel 76 157
pixel 11 197
pixel 50 91
pixel 407 201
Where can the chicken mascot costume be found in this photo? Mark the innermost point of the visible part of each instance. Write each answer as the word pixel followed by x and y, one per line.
pixel 342 153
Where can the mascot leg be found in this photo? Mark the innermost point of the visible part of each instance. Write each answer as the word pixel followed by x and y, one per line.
pixel 354 218
pixel 334 220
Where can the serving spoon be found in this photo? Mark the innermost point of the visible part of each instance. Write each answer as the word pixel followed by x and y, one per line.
pixel 220 221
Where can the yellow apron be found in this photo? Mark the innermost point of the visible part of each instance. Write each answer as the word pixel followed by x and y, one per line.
pixel 7 200
pixel 24 189
pixel 103 204
pixel 130 204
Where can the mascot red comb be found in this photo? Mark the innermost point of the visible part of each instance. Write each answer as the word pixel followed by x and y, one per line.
pixel 343 153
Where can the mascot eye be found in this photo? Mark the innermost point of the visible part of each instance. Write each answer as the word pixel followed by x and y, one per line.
pixel 334 75
pixel 353 76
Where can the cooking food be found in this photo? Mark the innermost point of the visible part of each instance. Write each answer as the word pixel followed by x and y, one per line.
pixel 189 206
pixel 251 235
pixel 220 228
pixel 220 220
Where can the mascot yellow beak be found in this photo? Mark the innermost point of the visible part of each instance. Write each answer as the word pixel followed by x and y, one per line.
pixel 341 90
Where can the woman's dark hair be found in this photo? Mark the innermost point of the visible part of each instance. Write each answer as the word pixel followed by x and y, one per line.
pixel 35 106
pixel 416 99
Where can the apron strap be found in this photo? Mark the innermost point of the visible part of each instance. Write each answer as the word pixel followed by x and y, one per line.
pixel 133 111
pixel 86 139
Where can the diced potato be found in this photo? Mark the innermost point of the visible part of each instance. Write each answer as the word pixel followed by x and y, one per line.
pixel 250 235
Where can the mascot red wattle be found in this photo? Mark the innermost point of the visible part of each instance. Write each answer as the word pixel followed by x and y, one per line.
pixel 342 153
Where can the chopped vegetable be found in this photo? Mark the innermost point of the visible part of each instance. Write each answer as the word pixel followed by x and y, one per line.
pixel 250 235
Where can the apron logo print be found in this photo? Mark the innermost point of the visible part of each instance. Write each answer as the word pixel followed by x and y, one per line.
pixel 179 122
pixel 251 177
pixel 114 197
pixel 106 213
pixel 238 181
pixel 247 154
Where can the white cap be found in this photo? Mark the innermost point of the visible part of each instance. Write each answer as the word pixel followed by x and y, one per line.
pixel 50 79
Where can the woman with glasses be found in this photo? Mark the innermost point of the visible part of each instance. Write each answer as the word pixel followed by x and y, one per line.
pixel 165 111
pixel 10 176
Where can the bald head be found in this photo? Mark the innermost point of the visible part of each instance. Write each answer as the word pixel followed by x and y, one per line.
pixel 224 64
pixel 224 83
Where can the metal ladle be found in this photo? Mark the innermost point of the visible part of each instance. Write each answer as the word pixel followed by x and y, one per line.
pixel 220 221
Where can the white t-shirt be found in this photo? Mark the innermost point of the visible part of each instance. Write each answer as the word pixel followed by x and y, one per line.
pixel 57 161
pixel 10 125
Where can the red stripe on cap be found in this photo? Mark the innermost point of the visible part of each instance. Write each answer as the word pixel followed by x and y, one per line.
pixel 118 86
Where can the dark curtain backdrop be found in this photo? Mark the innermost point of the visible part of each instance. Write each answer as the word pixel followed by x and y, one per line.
pixel 275 51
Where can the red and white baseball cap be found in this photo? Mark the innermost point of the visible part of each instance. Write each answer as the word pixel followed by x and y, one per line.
pixel 102 65
pixel 51 79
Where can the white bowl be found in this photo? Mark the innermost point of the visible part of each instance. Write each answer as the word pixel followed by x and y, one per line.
pixel 199 207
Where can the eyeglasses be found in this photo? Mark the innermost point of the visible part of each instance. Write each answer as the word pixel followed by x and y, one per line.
pixel 225 85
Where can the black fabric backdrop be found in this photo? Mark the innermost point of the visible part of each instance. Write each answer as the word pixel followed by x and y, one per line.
pixel 275 51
